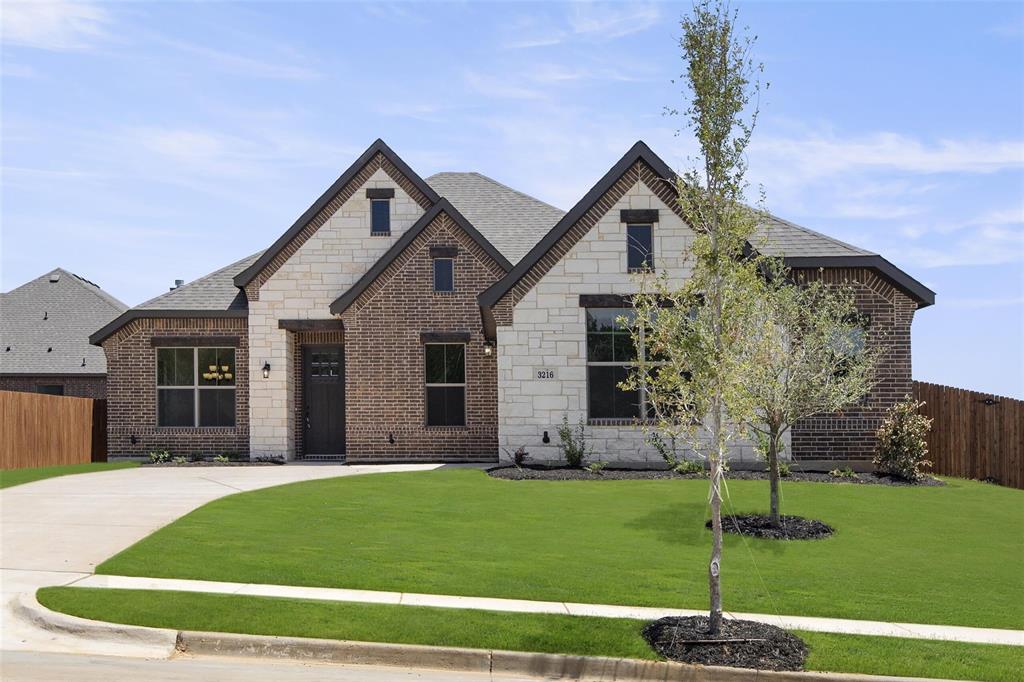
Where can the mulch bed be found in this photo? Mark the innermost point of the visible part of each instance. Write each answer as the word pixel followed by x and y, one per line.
pixel 527 473
pixel 203 463
pixel 754 645
pixel 790 527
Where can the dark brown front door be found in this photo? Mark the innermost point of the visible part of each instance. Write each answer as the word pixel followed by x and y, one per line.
pixel 323 379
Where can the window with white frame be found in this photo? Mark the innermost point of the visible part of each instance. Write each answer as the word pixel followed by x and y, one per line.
pixel 446 384
pixel 195 386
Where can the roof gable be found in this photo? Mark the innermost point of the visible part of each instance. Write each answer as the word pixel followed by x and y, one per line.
pixel 442 207
pixel 377 156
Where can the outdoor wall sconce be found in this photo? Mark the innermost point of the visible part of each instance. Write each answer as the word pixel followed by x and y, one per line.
pixel 133 439
pixel 391 439
pixel 546 438
pixel 266 370
pixel 488 348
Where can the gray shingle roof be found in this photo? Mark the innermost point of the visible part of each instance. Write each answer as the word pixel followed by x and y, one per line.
pixel 778 237
pixel 215 291
pixel 46 324
pixel 512 221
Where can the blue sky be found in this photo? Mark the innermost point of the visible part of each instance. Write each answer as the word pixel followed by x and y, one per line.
pixel 147 142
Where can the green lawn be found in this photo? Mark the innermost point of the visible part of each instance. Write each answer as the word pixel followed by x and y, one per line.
pixel 948 555
pixel 492 630
pixel 11 477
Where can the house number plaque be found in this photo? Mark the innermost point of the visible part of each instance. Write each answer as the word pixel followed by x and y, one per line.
pixel 545 373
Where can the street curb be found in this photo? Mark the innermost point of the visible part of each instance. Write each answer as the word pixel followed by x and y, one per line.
pixel 27 608
pixel 455 659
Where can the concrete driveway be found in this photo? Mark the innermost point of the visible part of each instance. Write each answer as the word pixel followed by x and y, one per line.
pixel 55 531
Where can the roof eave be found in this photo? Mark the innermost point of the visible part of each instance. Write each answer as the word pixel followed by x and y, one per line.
pixel 246 276
pixel 98 337
pixel 919 292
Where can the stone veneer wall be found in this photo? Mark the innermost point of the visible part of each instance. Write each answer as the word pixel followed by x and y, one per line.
pixel 384 356
pixel 326 264
pixel 131 390
pixel 850 435
pixel 75 386
pixel 548 330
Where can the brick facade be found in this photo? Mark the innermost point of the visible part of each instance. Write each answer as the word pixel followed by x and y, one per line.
pixel 385 387
pixel 76 386
pixel 850 435
pixel 131 390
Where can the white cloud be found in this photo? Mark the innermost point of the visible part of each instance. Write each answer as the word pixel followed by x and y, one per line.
pixel 586 21
pixel 244 66
pixel 53 24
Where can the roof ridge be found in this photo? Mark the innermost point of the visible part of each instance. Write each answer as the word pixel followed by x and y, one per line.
pixel 819 234
pixel 91 287
pixel 201 279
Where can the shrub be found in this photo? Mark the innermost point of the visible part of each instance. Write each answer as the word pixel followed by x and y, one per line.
pixel 785 470
pixel 845 472
pixel 179 460
pixel 159 456
pixel 222 459
pixel 902 449
pixel 573 443
pixel 596 467
pixel 666 450
pixel 519 456
pixel 686 466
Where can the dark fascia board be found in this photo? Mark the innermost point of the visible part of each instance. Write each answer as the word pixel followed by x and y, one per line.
pixel 97 338
pixel 247 275
pixel 443 205
pixel 332 325
pixel 919 292
pixel 638 152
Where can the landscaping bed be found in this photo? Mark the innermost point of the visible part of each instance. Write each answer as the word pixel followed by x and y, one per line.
pixel 210 463
pixel 538 473
pixel 789 528
pixel 738 644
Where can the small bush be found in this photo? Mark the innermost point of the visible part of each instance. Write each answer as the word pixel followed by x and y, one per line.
pixel 180 460
pixel 222 459
pixel 785 470
pixel 667 450
pixel 518 457
pixel 686 466
pixel 902 449
pixel 159 456
pixel 596 467
pixel 573 444
pixel 845 472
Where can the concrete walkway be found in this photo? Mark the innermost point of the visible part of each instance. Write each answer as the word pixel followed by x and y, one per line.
pixel 55 531
pixel 835 625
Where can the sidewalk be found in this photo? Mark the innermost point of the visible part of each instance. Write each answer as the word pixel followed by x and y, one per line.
pixel 833 625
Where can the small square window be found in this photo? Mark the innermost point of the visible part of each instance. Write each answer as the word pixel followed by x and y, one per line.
pixel 380 217
pixel 444 274
pixel 639 247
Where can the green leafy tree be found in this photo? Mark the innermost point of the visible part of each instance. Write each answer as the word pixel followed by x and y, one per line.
pixel 809 356
pixel 696 337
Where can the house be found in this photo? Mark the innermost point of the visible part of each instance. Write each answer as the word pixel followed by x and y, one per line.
pixel 44 336
pixel 448 319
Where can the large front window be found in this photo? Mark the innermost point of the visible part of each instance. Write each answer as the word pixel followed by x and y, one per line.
pixel 195 386
pixel 446 384
pixel 611 355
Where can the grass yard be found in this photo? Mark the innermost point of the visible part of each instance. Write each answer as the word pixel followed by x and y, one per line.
pixel 945 555
pixel 12 477
pixel 492 630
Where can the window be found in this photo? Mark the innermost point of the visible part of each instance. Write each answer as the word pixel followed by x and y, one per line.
pixel 611 354
pixel 446 384
pixel 195 386
pixel 380 217
pixel 639 247
pixel 444 274
pixel 50 389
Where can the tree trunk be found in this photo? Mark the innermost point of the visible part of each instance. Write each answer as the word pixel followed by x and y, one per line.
pixel 773 476
pixel 714 566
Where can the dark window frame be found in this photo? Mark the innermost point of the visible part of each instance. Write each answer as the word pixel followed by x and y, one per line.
pixel 628 361
pixel 634 249
pixel 376 229
pixel 197 388
pixel 445 386
pixel 451 267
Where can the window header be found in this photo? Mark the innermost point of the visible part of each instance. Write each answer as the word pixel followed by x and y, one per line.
pixel 380 193
pixel 638 215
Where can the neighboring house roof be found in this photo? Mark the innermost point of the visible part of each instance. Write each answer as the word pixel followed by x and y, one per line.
pixel 46 325
pixel 443 205
pixel 510 220
pixel 799 246
pixel 214 295
pixel 378 147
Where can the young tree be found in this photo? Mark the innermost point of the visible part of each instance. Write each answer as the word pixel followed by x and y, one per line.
pixel 696 338
pixel 809 356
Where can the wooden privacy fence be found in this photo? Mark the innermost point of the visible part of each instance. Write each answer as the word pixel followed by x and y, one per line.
pixel 974 435
pixel 39 430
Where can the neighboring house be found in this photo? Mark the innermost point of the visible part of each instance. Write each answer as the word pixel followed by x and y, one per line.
pixel 44 336
pixel 449 319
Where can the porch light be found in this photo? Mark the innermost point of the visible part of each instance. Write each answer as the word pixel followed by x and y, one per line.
pixel 488 348
pixel 266 370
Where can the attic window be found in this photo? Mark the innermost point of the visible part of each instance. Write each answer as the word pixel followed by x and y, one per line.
pixel 55 277
pixel 444 275
pixel 380 210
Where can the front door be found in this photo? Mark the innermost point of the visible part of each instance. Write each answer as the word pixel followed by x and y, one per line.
pixel 323 380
